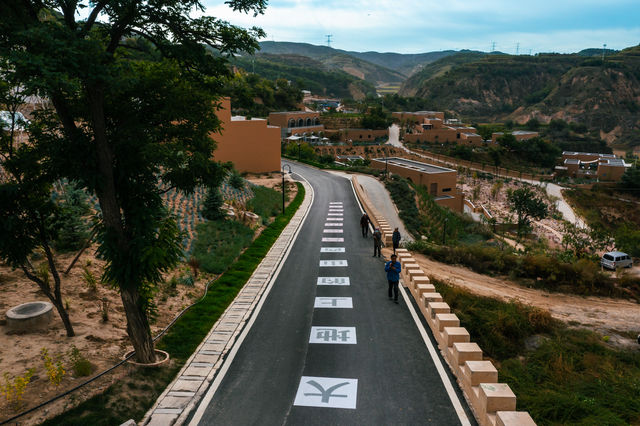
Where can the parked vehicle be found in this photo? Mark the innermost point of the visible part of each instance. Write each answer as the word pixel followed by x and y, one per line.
pixel 616 259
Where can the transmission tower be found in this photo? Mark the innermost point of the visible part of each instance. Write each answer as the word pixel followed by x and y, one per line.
pixel 604 47
pixel 493 46
pixel 518 49
pixel 329 39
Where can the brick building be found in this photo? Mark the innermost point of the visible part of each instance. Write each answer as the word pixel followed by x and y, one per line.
pixel 296 123
pixel 604 167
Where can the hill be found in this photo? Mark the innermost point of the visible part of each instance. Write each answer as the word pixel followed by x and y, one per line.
pixel 601 95
pixel 333 59
pixel 307 73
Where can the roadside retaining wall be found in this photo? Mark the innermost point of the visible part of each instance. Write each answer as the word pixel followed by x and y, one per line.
pixel 493 403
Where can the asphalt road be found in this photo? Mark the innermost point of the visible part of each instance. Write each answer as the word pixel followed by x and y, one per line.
pixel 386 376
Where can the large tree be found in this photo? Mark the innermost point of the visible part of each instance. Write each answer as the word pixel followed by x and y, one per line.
pixel 132 87
pixel 527 205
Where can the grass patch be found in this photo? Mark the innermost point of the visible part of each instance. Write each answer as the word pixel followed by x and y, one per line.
pixel 116 404
pixel 266 202
pixel 219 242
pixel 569 376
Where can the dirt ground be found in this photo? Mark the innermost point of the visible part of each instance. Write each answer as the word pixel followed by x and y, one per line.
pixel 616 318
pixel 102 343
pixel 548 228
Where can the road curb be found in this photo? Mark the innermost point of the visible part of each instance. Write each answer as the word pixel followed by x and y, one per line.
pixel 175 405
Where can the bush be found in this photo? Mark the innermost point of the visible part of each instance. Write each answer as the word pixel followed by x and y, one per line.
pixel 80 365
pixel 211 208
pixel 236 181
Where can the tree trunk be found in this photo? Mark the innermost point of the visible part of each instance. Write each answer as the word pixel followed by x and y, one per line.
pixel 64 316
pixel 138 325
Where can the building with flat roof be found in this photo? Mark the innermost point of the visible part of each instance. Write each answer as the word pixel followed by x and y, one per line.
pixel 296 123
pixel 439 181
pixel 431 126
pixel 251 145
pixel 604 167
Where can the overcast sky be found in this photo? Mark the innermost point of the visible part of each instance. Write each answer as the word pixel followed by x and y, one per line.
pixel 415 26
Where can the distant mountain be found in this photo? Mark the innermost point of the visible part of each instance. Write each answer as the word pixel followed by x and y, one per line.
pixel 309 73
pixel 597 52
pixel 334 59
pixel 602 95
pixel 404 63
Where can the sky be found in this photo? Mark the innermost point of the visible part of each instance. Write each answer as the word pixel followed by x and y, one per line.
pixel 416 26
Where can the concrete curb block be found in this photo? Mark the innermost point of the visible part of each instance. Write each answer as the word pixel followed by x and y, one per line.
pixel 184 393
pixel 492 403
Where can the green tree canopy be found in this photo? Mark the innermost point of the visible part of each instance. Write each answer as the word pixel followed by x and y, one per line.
pixel 527 206
pixel 121 119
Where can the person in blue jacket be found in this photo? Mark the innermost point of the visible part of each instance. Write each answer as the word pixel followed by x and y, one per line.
pixel 393 269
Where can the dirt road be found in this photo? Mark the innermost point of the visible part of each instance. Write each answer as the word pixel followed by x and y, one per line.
pixel 607 316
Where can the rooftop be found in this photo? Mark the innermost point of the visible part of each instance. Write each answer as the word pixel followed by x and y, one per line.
pixel 589 153
pixel 415 165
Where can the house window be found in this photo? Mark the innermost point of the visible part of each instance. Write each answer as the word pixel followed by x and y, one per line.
pixel 446 189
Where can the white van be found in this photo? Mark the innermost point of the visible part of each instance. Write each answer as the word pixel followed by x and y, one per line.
pixel 616 259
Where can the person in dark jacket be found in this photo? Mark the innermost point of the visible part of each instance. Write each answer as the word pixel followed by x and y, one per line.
pixel 364 224
pixel 393 269
pixel 377 242
pixel 395 238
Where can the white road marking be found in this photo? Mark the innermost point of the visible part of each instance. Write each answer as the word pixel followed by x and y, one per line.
pixel 335 214
pixel 327 392
pixel 333 263
pixel 332 240
pixel 333 335
pixel 332 231
pixel 335 203
pixel 333 281
pixel 332 249
pixel 333 224
pixel 335 218
pixel 333 302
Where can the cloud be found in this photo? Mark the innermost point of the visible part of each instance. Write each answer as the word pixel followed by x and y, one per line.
pixel 419 25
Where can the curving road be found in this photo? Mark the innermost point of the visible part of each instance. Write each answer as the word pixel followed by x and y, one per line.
pixel 328 346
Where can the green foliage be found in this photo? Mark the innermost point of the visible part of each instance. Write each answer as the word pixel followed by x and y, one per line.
pixel 266 202
pixel 71 221
pixel 236 181
pixel 561 375
pixel 545 271
pixel 630 180
pixel 524 202
pixel 303 150
pixel 375 118
pixel 274 95
pixel 219 243
pixel 404 199
pixel 212 205
pixel 89 280
pixel 628 239
pixel 53 366
pixel 80 365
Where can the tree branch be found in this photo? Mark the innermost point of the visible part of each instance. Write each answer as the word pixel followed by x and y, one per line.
pixel 92 17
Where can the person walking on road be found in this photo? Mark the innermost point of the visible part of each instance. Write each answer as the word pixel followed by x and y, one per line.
pixel 377 242
pixel 364 224
pixel 393 269
pixel 395 238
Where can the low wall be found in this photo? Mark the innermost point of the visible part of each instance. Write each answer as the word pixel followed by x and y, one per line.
pixel 493 403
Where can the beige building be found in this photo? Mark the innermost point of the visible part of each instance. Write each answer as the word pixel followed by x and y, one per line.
pixel 430 126
pixel 605 167
pixel 251 145
pixel 296 123
pixel 439 181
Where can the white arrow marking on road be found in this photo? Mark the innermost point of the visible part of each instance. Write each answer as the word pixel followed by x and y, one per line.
pixel 327 392
pixel 331 334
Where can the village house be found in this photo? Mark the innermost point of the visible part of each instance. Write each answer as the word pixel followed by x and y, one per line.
pixel 520 135
pixel 431 126
pixel 251 145
pixel 439 181
pixel 604 167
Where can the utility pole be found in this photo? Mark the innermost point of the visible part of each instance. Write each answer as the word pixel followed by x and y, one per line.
pixel 329 39
pixel 518 49
pixel 604 47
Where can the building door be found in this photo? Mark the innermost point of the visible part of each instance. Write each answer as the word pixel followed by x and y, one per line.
pixel 434 189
